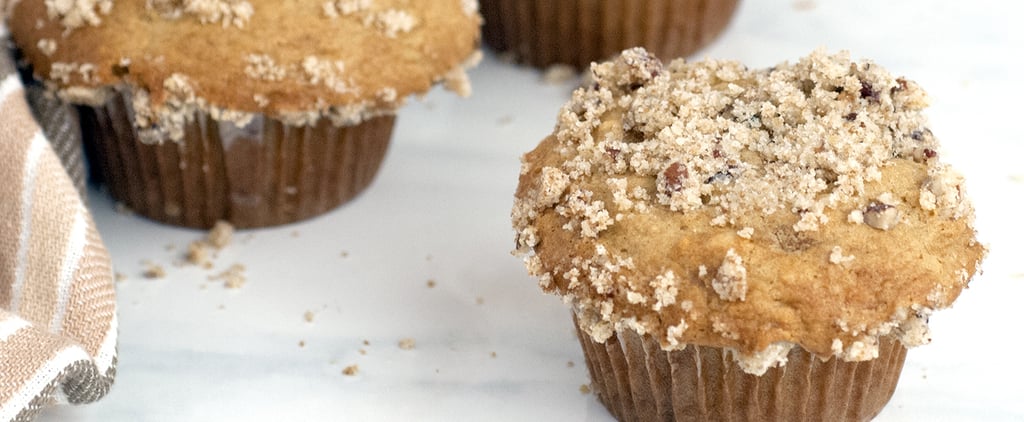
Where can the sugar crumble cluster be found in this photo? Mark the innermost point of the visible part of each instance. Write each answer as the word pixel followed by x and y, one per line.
pixel 736 145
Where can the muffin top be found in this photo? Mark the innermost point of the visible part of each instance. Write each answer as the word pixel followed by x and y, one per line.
pixel 297 60
pixel 707 203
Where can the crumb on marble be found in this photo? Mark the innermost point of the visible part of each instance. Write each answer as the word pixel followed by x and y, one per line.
pixel 220 234
pixel 407 344
pixel 233 277
pixel 350 370
pixel 121 208
pixel 153 271
pixel 558 74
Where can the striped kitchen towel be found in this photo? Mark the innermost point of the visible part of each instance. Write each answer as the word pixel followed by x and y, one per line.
pixel 58 326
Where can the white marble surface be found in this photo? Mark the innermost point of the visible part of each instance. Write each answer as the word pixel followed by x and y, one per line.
pixel 439 210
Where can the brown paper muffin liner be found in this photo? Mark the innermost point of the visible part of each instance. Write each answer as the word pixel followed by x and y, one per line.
pixel 577 32
pixel 638 381
pixel 264 174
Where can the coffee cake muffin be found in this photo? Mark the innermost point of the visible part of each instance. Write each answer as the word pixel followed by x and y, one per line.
pixel 750 244
pixel 258 112
pixel 577 32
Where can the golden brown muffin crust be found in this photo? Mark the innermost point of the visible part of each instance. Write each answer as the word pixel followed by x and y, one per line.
pixel 285 58
pixel 755 210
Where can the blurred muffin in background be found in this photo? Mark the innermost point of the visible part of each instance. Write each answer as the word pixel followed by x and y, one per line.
pixel 577 32
pixel 257 112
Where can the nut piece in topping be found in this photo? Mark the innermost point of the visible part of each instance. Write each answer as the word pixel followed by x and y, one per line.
pixel 731 281
pixel 881 216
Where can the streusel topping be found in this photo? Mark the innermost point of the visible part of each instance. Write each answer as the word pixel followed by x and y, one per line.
pixel 708 203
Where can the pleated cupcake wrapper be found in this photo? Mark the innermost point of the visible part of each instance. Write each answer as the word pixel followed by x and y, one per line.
pixel 577 32
pixel 638 381
pixel 264 174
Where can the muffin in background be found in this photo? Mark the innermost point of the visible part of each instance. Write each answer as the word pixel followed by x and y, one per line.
pixel 577 32
pixel 745 244
pixel 255 112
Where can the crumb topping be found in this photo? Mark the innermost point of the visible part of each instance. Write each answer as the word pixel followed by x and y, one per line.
pixel 74 14
pixel 263 67
pixel 47 46
pixel 673 169
pixel 837 257
pixel 224 12
pixel 389 22
pixel 731 281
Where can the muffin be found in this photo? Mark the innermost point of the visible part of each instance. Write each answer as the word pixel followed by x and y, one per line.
pixel 578 32
pixel 255 112
pixel 745 244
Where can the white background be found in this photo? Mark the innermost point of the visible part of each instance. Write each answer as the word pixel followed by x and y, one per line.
pixel 439 210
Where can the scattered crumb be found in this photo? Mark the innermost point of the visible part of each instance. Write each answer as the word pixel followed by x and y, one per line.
pixel 350 370
pixel 119 277
pixel 154 271
pixel 804 5
pixel 570 364
pixel 366 342
pixel 505 120
pixel 308 316
pixel 407 344
pixel 431 283
pixel 344 254
pixel 221 307
pixel 362 351
pixel 430 257
pixel 507 57
pixel 302 343
pixel 584 389
pixel 479 300
pixel 234 277
pixel 198 254
pixel 123 209
pixel 220 235
pixel 494 355
pixel 217 238
pixel 558 74
pixel 295 233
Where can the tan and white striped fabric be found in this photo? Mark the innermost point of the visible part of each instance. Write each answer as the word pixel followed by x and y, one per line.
pixel 58 327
